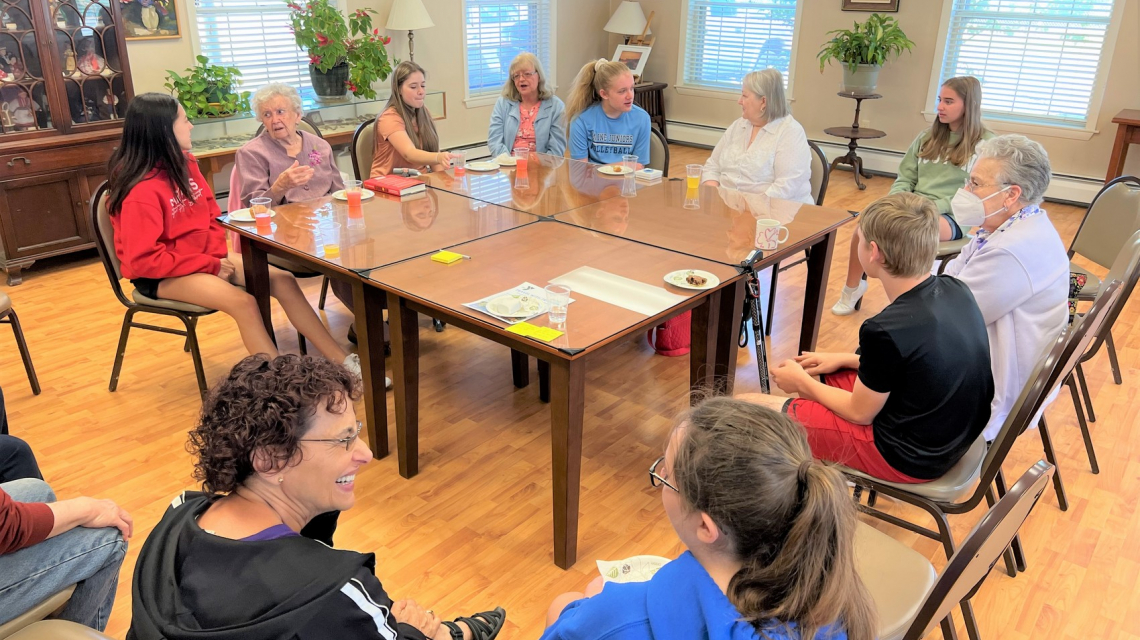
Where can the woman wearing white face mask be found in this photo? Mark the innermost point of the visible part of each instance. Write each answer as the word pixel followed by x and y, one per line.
pixel 1016 266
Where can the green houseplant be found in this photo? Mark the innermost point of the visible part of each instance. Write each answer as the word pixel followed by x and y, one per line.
pixel 863 49
pixel 343 55
pixel 207 90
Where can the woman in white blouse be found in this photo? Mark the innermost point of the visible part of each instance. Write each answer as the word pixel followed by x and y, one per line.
pixel 766 150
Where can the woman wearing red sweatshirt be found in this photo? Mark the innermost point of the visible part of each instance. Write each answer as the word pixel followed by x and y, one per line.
pixel 169 242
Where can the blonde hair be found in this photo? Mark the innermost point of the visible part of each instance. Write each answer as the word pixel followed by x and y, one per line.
pixel 426 139
pixel 905 227
pixel 937 147
pixel 525 59
pixel 595 76
pixel 768 83
pixel 788 518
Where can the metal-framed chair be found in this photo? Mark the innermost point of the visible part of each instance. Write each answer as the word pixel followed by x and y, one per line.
pixel 658 152
pixel 8 316
pixel 58 630
pixel 363 147
pixel 16 627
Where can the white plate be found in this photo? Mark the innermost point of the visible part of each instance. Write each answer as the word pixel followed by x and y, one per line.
pixel 242 215
pixel 516 306
pixel 364 194
pixel 505 160
pixel 677 278
pixel 482 165
pixel 614 170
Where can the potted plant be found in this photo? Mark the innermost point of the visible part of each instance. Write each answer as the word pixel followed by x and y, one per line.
pixel 208 90
pixel 343 55
pixel 863 50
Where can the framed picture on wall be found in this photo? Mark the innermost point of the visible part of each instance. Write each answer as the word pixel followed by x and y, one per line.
pixel 887 6
pixel 150 19
pixel 633 56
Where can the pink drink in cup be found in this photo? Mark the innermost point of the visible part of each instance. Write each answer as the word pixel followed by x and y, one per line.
pixel 352 193
pixel 521 155
pixel 259 209
pixel 459 163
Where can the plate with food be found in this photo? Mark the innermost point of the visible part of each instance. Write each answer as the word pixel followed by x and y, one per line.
pixel 615 170
pixel 364 194
pixel 516 306
pixel 483 165
pixel 692 279
pixel 243 215
pixel 505 159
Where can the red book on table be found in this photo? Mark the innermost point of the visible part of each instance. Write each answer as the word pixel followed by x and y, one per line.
pixel 395 185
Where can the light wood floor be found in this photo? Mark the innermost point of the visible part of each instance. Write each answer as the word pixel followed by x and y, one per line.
pixel 473 530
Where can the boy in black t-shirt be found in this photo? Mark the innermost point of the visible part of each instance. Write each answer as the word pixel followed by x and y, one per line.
pixel 908 405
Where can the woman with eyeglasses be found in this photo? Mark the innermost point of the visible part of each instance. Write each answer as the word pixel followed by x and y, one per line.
pixel 277 444
pixel 527 113
pixel 770 536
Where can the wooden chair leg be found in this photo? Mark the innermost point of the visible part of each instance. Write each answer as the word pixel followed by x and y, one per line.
pixel 1112 360
pixel 25 355
pixel 1084 385
pixel 1047 444
pixel 195 354
pixel 772 299
pixel 121 350
pixel 1084 425
pixel 324 294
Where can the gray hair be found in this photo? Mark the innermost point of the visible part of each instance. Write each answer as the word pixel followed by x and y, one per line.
pixel 274 90
pixel 1021 161
pixel 769 83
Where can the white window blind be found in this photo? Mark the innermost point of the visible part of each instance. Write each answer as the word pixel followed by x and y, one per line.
pixel 498 30
pixel 728 38
pixel 1037 60
pixel 255 37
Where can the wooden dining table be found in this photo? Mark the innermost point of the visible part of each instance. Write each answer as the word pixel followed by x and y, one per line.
pixel 383 230
pixel 628 295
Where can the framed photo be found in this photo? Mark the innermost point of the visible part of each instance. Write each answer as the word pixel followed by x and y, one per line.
pixel 886 6
pixel 633 56
pixel 150 19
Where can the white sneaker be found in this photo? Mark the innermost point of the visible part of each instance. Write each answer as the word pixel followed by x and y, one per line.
pixel 849 298
pixel 352 363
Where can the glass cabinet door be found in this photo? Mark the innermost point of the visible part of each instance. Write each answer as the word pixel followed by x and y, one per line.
pixel 24 104
pixel 89 58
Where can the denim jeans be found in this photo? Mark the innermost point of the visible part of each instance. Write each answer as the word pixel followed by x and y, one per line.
pixel 89 557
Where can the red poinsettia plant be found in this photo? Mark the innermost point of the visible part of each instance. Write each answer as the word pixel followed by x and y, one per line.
pixel 323 32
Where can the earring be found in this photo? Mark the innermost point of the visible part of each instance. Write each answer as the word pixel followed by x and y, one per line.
pixel 280 479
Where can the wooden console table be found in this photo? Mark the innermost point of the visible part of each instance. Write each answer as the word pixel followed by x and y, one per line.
pixel 855 133
pixel 1127 132
pixel 651 98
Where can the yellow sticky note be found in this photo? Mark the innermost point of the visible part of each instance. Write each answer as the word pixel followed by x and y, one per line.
pixel 546 334
pixel 522 328
pixel 447 257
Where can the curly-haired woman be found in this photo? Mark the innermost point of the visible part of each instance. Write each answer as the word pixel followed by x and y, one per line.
pixel 277 445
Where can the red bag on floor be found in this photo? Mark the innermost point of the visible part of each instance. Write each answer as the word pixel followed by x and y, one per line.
pixel 672 338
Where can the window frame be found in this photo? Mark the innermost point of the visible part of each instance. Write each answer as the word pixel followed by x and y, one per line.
pixel 727 94
pixel 1014 124
pixel 487 99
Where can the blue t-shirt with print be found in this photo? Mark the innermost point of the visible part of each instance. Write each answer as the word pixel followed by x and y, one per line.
pixel 596 137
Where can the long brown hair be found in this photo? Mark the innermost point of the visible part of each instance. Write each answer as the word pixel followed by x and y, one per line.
pixel 788 518
pixel 595 76
pixel 426 139
pixel 937 147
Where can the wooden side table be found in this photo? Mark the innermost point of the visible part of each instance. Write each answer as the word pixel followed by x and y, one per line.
pixel 650 97
pixel 1127 132
pixel 855 133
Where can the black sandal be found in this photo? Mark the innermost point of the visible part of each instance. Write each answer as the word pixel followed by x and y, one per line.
pixel 484 625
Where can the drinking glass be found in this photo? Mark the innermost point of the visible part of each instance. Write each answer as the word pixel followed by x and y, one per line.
pixel 259 209
pixel 693 176
pixel 352 193
pixel 558 297
pixel 330 236
pixel 521 154
pixel 459 162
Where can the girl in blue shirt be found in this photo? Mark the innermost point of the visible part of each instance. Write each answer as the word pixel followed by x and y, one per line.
pixel 604 123
pixel 770 536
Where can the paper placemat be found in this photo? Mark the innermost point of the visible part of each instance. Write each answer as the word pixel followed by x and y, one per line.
pixel 524 289
pixel 619 291
pixel 635 569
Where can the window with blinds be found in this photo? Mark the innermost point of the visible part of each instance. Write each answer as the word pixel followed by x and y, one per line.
pixel 255 37
pixel 728 38
pixel 1037 60
pixel 498 30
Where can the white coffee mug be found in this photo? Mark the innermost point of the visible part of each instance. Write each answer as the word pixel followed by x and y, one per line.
pixel 768 234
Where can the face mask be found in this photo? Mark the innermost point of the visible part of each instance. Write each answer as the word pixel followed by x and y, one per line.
pixel 969 210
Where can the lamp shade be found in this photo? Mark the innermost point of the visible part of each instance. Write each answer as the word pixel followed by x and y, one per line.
pixel 628 20
pixel 407 15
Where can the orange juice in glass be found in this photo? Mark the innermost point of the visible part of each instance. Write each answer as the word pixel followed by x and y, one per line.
pixel 259 210
pixel 330 237
pixel 521 155
pixel 693 176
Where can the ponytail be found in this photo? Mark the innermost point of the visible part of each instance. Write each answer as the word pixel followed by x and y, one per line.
pixel 789 519
pixel 595 76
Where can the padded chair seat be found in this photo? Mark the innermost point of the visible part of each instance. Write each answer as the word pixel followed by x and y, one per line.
pixel 957 482
pixel 292 267
pixel 952 247
pixel 36 613
pixel 174 305
pixel 5 302
pixel 897 577
pixel 58 630
pixel 1091 288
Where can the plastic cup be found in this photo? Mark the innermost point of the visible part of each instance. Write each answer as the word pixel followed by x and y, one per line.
pixel 692 198
pixel 330 236
pixel 558 297
pixel 693 176
pixel 521 154
pixel 629 162
pixel 353 192
pixel 459 162
pixel 259 209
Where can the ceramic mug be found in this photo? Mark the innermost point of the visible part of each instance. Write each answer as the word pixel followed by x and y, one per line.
pixel 768 234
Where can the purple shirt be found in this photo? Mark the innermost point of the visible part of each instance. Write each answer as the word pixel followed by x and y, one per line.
pixel 272 533
pixel 258 163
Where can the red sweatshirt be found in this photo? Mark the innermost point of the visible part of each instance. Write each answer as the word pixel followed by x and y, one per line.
pixel 161 234
pixel 23 524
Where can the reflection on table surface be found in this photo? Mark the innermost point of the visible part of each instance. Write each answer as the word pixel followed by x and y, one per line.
pixel 723 226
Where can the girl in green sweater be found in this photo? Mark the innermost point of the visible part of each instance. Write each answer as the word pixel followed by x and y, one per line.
pixel 935 167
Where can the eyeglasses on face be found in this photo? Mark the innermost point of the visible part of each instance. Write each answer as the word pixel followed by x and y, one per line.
pixel 972 185
pixel 523 74
pixel 347 442
pixel 655 479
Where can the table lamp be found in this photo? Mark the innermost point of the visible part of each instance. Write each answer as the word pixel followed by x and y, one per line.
pixel 629 21
pixel 410 15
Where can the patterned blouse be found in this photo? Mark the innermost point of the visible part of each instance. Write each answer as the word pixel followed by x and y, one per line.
pixel 525 135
